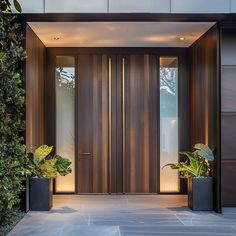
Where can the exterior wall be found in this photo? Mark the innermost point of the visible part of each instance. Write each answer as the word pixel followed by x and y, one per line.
pixel 35 64
pixel 228 115
pixel 203 104
pixel 124 6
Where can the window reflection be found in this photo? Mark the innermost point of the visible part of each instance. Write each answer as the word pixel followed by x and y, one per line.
pixel 65 129
pixel 66 77
pixel 169 179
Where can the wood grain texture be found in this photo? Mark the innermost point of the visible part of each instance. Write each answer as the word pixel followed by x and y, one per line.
pixel 35 75
pixel 203 87
pixel 93 123
pixel 204 103
pixel 112 174
pixel 140 154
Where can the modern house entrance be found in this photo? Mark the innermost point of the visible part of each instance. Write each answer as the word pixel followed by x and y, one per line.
pixel 121 107
pixel 118 109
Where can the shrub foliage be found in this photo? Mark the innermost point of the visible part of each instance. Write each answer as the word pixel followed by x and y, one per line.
pixel 12 100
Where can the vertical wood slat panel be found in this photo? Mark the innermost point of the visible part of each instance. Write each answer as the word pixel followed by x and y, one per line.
pixel 116 126
pixel 141 154
pixel 203 74
pixel 85 124
pixel 204 102
pixel 35 73
pixel 93 123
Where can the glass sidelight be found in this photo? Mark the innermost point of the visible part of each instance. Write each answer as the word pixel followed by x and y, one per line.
pixel 65 128
pixel 169 133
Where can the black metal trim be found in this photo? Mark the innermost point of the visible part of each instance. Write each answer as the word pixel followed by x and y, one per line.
pixel 126 17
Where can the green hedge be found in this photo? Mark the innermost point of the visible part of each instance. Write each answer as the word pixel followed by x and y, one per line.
pixel 12 104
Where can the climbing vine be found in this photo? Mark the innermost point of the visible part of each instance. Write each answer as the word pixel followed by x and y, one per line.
pixel 12 104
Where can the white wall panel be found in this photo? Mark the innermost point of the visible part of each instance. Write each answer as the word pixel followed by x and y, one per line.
pixel 75 6
pixel 158 6
pixel 32 6
pixel 200 6
pixel 233 6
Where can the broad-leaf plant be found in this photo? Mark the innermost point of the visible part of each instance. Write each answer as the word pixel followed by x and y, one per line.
pixel 197 164
pixel 42 164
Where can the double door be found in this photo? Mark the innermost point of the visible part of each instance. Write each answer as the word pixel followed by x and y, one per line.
pixel 117 117
pixel 117 124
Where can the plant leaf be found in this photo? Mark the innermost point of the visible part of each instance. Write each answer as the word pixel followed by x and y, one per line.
pixel 62 165
pixel 204 151
pixel 17 6
pixel 41 153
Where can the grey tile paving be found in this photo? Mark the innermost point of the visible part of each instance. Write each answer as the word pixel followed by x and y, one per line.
pixel 119 215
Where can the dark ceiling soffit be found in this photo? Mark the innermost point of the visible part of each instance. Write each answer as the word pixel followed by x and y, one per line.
pixel 127 17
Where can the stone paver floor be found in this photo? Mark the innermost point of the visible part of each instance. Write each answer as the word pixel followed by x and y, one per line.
pixel 119 215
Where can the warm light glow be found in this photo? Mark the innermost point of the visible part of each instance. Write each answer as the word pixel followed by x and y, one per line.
pixel 169 140
pixel 65 128
pixel 119 34
pixel 182 39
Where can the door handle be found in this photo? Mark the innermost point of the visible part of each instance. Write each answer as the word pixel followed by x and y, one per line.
pixel 85 153
pixel 88 154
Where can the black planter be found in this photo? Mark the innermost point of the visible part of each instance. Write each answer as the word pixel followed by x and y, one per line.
pixel 40 194
pixel 200 194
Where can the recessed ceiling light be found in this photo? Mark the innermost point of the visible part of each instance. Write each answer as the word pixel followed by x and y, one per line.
pixel 56 38
pixel 181 38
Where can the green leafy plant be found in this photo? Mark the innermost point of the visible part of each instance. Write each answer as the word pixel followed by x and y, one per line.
pixel 43 165
pixel 198 163
pixel 12 105
pixel 6 6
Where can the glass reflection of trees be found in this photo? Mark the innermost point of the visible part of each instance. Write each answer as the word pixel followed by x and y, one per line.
pixel 168 90
pixel 66 77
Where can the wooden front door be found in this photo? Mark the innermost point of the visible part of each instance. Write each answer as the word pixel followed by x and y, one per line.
pixel 92 109
pixel 117 126
pixel 141 124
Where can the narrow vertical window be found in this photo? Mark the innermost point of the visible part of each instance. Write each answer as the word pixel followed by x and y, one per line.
pixel 65 99
pixel 169 141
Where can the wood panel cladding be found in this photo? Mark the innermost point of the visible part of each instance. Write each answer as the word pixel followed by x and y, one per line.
pixel 93 123
pixel 117 122
pixel 204 102
pixel 203 73
pixel 35 75
pixel 228 114
pixel 141 127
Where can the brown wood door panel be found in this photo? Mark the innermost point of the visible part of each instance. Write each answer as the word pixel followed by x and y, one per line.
pixel 136 171
pixel 141 124
pixel 116 171
pixel 107 170
pixel 92 123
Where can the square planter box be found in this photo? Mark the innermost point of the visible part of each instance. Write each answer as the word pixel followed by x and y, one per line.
pixel 40 194
pixel 200 194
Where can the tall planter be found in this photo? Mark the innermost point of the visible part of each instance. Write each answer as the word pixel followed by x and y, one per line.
pixel 40 194
pixel 200 193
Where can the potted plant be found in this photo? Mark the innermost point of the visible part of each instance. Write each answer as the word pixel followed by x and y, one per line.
pixel 197 169
pixel 41 169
